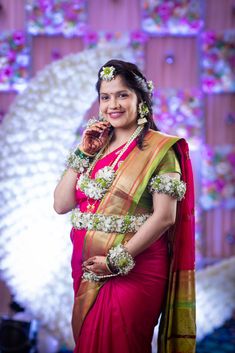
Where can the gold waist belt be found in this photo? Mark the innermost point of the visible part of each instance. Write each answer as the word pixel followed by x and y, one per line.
pixel 107 223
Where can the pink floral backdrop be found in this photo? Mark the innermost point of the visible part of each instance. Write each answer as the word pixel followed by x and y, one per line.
pixel 186 49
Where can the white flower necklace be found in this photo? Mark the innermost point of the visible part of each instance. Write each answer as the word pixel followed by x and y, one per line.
pixel 97 188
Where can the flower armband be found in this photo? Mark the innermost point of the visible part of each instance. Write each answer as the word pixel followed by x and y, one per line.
pixel 164 184
pixel 78 161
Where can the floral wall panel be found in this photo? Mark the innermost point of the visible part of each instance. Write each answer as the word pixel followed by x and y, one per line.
pixel 12 15
pixel 172 17
pixel 218 62
pixel 171 62
pixel 53 48
pixel 14 60
pixel 218 177
pixel 180 112
pixel 220 118
pixel 132 42
pixel 56 17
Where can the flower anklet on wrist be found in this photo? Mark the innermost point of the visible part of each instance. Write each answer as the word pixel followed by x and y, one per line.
pixel 119 260
pixel 78 160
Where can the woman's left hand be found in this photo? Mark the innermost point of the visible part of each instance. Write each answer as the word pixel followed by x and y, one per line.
pixel 96 264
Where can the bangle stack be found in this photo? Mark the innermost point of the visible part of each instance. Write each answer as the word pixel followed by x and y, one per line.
pixel 78 160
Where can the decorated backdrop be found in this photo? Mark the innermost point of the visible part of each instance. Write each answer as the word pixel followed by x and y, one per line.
pixel 50 51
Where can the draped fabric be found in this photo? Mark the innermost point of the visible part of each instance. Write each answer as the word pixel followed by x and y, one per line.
pixel 177 329
pixel 120 313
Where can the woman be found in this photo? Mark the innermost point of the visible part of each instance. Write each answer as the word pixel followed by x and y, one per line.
pixel 131 191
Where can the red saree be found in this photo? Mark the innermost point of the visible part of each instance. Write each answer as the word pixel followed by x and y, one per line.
pixel 120 314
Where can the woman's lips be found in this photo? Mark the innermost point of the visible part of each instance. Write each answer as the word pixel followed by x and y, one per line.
pixel 115 115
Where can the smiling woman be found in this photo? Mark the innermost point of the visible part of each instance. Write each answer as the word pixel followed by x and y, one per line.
pixel 118 104
pixel 131 188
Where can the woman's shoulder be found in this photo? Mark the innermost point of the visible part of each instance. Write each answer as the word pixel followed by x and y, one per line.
pixel 159 134
pixel 162 138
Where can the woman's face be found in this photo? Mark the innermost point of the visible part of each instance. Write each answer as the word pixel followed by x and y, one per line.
pixel 118 103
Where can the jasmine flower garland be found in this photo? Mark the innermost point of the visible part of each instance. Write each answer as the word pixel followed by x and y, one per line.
pixel 107 223
pixel 167 185
pixel 96 188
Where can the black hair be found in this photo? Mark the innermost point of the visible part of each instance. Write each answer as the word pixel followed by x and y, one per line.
pixel 135 80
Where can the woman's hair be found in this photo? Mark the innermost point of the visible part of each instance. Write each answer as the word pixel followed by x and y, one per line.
pixel 135 80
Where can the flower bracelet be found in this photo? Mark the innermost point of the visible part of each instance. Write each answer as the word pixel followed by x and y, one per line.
pixel 78 160
pixel 118 262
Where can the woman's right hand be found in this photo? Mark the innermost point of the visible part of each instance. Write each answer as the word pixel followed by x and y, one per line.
pixel 95 137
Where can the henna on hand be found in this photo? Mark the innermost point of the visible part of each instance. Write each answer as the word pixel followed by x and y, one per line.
pixel 95 137
pixel 96 264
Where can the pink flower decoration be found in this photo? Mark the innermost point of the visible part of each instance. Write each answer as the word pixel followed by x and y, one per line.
pixel 6 72
pixel 91 38
pixel 209 38
pixel 18 38
pixel 109 36
pixel 15 53
pixel 11 56
pixel 139 37
pixel 164 11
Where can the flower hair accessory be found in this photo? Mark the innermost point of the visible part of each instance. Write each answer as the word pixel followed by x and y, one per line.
pixel 147 86
pixel 107 73
pixel 143 111
pixel 150 86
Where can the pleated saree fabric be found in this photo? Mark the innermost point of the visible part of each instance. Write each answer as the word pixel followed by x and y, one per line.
pixel 119 314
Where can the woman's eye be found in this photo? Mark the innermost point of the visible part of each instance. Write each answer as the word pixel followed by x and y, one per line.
pixel 123 95
pixel 104 98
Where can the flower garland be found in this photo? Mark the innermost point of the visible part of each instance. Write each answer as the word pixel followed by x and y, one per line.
pixel 218 177
pixel 180 112
pixel 218 69
pixel 56 17
pixel 171 17
pixel 107 223
pixel 14 60
pixel 96 188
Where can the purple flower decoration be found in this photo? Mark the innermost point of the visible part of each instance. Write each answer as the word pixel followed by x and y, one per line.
pixel 91 38
pixel 176 17
pixel 14 60
pixel 138 37
pixel 218 63
pixel 218 177
pixel 57 17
